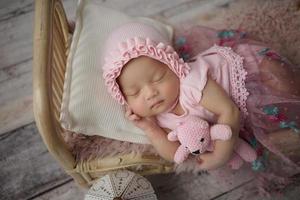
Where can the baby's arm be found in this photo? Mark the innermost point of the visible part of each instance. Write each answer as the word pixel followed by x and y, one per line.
pixel 156 135
pixel 159 140
pixel 216 100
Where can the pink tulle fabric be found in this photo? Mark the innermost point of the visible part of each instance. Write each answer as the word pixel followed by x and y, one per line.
pixel 258 124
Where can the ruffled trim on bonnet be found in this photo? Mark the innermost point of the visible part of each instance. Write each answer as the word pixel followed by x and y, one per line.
pixel 134 48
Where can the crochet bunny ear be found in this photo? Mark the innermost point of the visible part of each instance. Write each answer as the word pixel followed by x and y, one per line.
pixel 172 136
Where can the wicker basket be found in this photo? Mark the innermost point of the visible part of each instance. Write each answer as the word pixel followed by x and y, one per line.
pixel 51 47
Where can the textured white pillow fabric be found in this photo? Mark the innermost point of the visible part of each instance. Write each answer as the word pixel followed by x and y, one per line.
pixel 87 107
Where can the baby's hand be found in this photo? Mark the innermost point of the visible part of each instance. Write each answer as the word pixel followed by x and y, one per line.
pixel 209 161
pixel 146 124
pixel 223 150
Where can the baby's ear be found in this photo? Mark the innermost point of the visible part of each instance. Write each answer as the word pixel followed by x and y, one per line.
pixel 172 136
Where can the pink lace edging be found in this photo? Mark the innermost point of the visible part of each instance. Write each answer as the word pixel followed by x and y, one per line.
pixel 237 76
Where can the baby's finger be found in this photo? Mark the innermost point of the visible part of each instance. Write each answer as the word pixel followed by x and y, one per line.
pixel 128 113
pixel 133 117
pixel 203 165
pixel 199 160
pixel 209 162
pixel 127 108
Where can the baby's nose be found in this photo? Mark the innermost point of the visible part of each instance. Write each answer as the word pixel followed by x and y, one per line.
pixel 150 92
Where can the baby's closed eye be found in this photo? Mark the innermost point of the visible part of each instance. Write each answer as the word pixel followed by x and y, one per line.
pixel 158 77
pixel 132 93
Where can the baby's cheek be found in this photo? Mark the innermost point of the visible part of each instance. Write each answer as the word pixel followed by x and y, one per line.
pixel 171 89
pixel 139 108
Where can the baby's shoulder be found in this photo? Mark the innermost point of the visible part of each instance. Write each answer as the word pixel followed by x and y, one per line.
pixel 213 51
pixel 210 60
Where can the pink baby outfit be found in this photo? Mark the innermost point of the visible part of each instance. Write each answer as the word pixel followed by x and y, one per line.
pixel 222 65
pixel 267 109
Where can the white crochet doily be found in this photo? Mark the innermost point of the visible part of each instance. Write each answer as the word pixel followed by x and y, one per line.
pixel 121 185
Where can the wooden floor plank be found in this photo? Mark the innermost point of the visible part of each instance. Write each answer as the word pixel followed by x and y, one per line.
pixel 16 39
pixel 12 8
pixel 26 166
pixel 144 7
pixel 190 186
pixel 185 186
pixel 15 71
pixel 16 107
pixel 204 13
pixel 16 113
pixel 16 67
pixel 16 35
pixel 68 191
pixel 17 86
pixel 249 191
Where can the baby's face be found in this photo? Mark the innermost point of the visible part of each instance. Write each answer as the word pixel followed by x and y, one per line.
pixel 149 86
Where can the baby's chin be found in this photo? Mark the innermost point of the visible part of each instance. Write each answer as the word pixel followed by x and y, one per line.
pixel 162 109
pixel 153 113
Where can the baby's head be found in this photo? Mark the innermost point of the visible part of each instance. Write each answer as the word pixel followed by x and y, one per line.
pixel 142 70
pixel 149 86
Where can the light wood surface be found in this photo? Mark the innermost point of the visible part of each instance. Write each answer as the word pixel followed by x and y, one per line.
pixel 27 169
pixel 16 33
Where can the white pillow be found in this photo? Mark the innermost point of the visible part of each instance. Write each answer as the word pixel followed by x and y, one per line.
pixel 87 108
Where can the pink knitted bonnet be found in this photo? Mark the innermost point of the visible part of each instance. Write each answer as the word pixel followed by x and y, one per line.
pixel 130 41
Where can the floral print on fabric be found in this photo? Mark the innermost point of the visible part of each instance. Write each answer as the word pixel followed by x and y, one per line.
pixel 230 38
pixel 183 48
pixel 274 115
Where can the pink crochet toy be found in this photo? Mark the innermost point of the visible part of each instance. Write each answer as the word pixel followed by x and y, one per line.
pixel 196 136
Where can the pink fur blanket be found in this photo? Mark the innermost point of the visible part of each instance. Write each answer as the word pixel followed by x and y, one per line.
pixel 274 22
